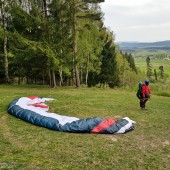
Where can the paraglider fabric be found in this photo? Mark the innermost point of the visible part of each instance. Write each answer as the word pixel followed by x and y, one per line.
pixel 33 110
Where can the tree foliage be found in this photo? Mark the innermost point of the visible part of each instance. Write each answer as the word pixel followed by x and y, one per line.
pixel 149 67
pixel 59 42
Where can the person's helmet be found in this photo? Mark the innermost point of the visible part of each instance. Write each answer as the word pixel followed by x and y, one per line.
pixel 147 82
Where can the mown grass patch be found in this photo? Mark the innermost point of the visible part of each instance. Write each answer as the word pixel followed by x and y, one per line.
pixel 25 146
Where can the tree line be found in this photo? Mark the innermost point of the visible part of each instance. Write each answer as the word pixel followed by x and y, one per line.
pixel 60 43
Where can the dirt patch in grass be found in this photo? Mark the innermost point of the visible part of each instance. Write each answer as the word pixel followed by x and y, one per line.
pixel 111 138
pixel 166 143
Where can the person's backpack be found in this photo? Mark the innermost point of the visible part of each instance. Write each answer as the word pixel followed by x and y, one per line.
pixel 139 92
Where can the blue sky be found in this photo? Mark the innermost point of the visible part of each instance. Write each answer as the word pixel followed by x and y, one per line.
pixel 138 20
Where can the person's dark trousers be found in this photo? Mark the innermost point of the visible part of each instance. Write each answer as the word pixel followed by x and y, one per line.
pixel 143 101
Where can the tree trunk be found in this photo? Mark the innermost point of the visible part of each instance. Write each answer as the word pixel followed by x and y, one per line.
pixel 49 74
pixel 2 12
pixel 61 76
pixel 43 78
pixel 46 17
pixel 87 69
pixel 53 79
pixel 81 76
pixel 45 8
pixel 19 80
pixel 77 78
pixel 6 59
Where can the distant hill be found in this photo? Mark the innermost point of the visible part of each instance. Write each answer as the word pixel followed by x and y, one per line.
pixel 147 46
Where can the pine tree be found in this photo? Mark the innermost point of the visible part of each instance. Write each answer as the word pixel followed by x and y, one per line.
pixel 161 72
pixel 130 60
pixel 155 74
pixel 149 67
pixel 108 73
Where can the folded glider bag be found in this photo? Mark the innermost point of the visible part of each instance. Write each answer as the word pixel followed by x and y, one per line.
pixel 33 110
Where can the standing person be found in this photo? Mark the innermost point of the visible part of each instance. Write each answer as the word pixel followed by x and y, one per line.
pixel 145 94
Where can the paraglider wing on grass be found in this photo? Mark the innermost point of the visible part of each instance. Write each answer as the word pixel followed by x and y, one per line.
pixel 33 110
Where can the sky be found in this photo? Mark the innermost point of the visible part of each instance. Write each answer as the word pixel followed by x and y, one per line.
pixel 138 20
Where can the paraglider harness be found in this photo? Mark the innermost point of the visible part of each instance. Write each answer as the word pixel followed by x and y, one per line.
pixel 139 91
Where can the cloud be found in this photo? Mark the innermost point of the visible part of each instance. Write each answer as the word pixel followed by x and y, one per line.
pixel 127 2
pixel 149 26
pixel 127 17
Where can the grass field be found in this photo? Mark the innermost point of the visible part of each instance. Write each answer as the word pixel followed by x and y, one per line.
pixel 141 63
pixel 25 146
pixel 152 53
pixel 162 87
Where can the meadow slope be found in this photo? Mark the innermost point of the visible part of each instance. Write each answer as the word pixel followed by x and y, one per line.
pixel 25 146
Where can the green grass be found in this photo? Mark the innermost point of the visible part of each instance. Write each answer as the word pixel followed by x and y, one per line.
pixel 157 53
pixel 141 63
pixel 164 93
pixel 160 87
pixel 25 146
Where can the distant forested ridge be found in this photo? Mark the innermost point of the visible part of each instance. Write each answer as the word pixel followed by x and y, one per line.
pixel 60 43
pixel 148 46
